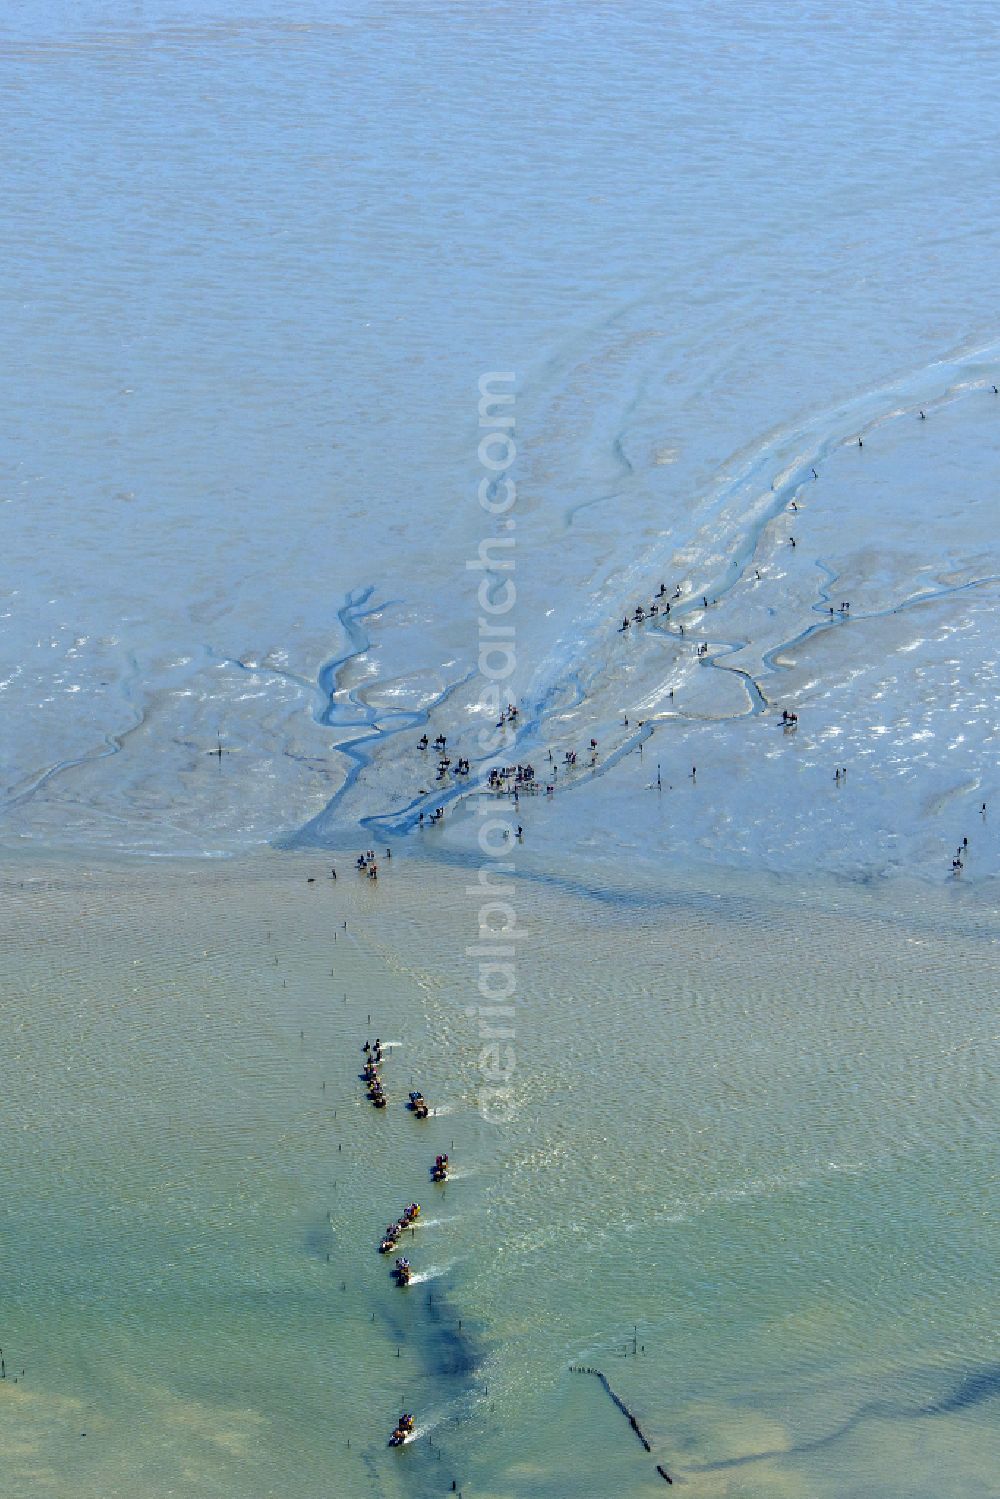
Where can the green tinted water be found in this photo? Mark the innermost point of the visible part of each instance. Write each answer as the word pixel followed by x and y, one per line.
pixel 752 1132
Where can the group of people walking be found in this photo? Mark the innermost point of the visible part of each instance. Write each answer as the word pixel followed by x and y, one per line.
pixel 659 603
pixel 371 1075
pixel 402 1270
pixel 366 863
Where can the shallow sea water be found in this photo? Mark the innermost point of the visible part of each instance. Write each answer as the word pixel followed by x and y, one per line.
pixel 753 1131
pixel 254 265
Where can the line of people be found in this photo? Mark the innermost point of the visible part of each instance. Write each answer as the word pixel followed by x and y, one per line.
pixel 395 1231
pixel 371 1075
pixel 402 1270
pixel 958 862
